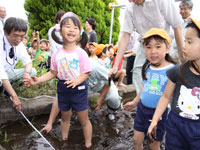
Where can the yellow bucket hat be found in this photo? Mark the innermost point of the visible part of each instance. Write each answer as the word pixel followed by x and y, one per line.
pixel 99 48
pixel 93 43
pixel 160 32
pixel 197 23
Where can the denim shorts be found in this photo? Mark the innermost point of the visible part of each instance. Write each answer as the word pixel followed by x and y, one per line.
pixel 72 98
pixel 143 119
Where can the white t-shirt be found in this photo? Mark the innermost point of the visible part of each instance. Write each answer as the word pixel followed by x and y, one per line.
pixel 53 45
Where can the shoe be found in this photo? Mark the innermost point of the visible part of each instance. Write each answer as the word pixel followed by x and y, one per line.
pixel 111 116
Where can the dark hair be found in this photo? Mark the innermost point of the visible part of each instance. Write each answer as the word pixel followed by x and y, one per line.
pixel 91 21
pixel 190 63
pixel 104 51
pixel 76 23
pixel 147 62
pixel 44 41
pixel 16 24
pixel 58 16
pixel 84 40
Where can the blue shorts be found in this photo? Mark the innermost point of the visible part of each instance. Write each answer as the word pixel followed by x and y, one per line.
pixel 75 98
pixel 182 133
pixel 143 119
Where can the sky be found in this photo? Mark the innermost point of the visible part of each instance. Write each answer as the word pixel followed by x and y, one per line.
pixel 15 8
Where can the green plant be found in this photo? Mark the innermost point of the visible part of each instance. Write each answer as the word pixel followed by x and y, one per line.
pixel 6 138
pixel 97 9
pixel 93 102
pixel 46 88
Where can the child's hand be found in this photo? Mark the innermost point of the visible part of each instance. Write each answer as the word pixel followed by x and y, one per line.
pixel 33 81
pixel 98 107
pixel 47 128
pixel 152 131
pixel 71 83
pixel 129 105
pixel 33 34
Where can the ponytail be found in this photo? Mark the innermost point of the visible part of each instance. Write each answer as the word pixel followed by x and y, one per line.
pixel 55 37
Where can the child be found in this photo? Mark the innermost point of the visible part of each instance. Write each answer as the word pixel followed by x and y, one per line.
pixel 33 48
pixel 121 72
pixel 71 66
pixel 157 46
pixel 102 52
pixel 183 121
pixel 41 55
pixel 91 50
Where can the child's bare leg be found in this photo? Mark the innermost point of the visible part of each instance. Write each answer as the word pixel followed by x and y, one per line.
pixel 138 139
pixel 87 127
pixel 155 145
pixel 65 123
pixel 121 77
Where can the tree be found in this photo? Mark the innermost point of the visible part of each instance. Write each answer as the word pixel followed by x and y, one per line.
pixel 41 15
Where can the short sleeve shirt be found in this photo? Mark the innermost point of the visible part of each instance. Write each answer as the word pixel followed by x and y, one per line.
pixel 152 14
pixel 154 86
pixel 186 96
pixel 70 64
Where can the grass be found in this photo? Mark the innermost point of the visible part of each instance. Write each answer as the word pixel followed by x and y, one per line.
pixel 46 88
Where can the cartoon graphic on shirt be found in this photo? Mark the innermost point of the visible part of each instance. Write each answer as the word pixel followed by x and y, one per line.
pixel 41 57
pixel 74 64
pixel 154 85
pixel 189 102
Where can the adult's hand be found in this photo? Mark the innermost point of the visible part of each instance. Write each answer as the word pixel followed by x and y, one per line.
pixel 16 103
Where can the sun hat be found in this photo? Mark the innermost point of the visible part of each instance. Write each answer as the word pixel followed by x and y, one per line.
pixel 197 23
pixel 99 48
pixel 115 48
pixel 156 31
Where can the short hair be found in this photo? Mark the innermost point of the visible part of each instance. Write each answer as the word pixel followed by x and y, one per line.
pixel 58 16
pixel 91 21
pixel 17 24
pixel 188 2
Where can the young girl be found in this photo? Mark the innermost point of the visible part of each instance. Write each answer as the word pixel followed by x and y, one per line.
pixel 71 66
pixel 91 50
pixel 156 45
pixel 183 121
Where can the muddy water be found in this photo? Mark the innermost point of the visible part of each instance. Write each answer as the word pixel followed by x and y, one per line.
pixel 107 135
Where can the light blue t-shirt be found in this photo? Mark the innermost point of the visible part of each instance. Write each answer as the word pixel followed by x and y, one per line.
pixel 154 86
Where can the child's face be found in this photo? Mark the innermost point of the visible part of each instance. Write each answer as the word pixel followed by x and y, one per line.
pixel 43 46
pixel 34 45
pixel 156 51
pixel 91 49
pixel 191 49
pixel 70 32
pixel 111 52
pixel 24 41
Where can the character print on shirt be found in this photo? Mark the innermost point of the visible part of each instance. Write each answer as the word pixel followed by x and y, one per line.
pixel 189 102
pixel 74 64
pixel 41 57
pixel 154 85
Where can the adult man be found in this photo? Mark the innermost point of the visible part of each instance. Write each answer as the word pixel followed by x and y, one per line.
pixel 143 15
pixel 2 19
pixel 12 50
pixel 185 11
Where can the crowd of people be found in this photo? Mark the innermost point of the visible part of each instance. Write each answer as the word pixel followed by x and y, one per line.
pixel 163 62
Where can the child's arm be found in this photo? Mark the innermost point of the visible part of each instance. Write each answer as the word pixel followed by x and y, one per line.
pixel 74 82
pixel 103 93
pixel 46 77
pixel 134 102
pixel 32 38
pixel 38 39
pixel 162 105
pixel 53 114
